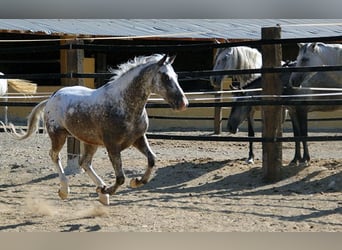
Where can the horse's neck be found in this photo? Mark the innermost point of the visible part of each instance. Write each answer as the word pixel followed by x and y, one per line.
pixel 131 89
pixel 332 55
pixel 248 59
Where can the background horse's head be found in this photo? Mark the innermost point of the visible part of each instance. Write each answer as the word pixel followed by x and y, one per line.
pixel 315 54
pixel 240 57
pixel 165 83
pixel 238 113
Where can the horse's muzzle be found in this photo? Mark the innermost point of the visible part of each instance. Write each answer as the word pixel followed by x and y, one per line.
pixel 232 129
pixel 183 104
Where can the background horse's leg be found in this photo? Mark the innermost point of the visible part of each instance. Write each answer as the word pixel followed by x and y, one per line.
pixel 57 142
pixel 304 132
pixel 142 145
pixel 251 133
pixel 6 112
pixel 6 115
pixel 296 132
pixel 85 163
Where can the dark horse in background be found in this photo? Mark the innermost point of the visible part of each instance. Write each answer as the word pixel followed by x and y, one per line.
pixel 240 113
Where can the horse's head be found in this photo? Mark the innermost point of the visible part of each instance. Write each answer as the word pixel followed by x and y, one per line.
pixel 238 114
pixel 309 55
pixel 165 83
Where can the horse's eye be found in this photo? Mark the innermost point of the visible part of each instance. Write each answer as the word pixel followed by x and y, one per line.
pixel 165 78
pixel 304 60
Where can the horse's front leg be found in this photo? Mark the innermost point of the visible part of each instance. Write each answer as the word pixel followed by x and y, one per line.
pixel 115 158
pixel 142 145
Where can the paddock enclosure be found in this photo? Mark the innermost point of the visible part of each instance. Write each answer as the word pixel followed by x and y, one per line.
pixel 201 181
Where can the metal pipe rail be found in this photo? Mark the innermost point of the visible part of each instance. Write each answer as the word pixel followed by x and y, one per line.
pixel 241 139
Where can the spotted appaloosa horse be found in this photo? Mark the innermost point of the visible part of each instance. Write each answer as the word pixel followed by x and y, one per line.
pixel 113 116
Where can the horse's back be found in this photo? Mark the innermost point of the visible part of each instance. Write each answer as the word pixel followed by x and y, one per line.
pixel 67 102
pixel 73 91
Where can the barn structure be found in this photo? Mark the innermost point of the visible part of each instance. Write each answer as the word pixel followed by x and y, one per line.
pixel 31 46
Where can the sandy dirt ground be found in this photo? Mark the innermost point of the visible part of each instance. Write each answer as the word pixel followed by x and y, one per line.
pixel 196 186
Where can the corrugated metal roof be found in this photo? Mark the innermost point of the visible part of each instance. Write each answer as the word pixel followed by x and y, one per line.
pixel 179 28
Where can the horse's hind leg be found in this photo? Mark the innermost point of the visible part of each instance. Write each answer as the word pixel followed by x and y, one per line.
pixel 57 142
pixel 142 145
pixel 85 163
pixel 304 132
pixel 296 133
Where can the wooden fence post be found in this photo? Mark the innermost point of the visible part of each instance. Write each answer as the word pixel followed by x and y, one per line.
pixel 72 62
pixel 271 115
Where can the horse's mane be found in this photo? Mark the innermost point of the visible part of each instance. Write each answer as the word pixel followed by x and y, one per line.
pixel 133 63
pixel 248 58
pixel 256 83
pixel 244 57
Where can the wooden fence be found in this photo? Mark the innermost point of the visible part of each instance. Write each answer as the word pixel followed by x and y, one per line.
pixel 271 102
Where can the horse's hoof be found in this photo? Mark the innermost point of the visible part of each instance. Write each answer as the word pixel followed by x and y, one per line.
pixel 250 161
pixel 62 194
pixel 104 199
pixel 304 164
pixel 135 183
pixel 101 190
pixel 293 164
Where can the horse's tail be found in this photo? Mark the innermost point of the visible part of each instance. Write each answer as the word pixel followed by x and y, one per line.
pixel 32 122
pixel 22 86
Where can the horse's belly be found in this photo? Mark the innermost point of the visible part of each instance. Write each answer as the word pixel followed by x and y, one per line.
pixel 93 124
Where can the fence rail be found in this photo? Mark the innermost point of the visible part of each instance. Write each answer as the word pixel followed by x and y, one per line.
pixel 184 76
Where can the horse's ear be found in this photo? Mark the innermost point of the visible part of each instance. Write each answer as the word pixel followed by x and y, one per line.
pixel 162 61
pixel 217 41
pixel 300 44
pixel 312 46
pixel 172 59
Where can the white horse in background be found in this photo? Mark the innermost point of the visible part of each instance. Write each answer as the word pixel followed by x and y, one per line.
pixel 316 54
pixel 240 57
pixel 313 54
pixel 19 85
